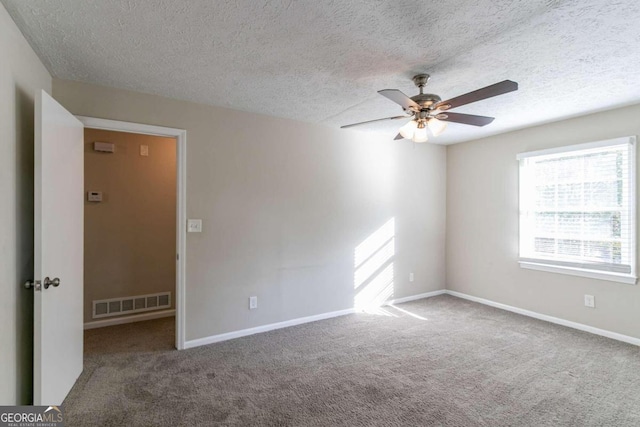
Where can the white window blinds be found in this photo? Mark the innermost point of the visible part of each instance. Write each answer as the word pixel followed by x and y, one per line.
pixel 577 206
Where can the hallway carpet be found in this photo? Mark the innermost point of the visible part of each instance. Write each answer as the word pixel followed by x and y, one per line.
pixel 441 361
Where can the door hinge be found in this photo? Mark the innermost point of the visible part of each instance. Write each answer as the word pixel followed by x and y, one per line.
pixel 177 257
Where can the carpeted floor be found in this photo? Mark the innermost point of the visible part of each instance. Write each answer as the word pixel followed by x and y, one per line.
pixel 441 361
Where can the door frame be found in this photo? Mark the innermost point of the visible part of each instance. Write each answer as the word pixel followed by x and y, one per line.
pixel 181 202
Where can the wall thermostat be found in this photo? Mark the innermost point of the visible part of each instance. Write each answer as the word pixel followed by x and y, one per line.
pixel 94 196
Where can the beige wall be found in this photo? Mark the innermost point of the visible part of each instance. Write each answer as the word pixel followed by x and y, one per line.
pixel 284 205
pixel 130 237
pixel 21 75
pixel 482 226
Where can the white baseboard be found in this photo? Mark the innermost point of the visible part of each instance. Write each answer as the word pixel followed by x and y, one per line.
pixel 415 297
pixel 582 327
pixel 129 319
pixel 264 328
pixel 293 322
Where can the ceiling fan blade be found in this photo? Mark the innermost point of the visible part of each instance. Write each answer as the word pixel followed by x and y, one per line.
pixel 400 98
pixel 375 120
pixel 398 136
pixel 465 119
pixel 503 87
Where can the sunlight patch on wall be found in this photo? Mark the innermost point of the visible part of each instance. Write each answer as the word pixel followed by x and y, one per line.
pixel 374 270
pixel 376 292
pixel 371 265
pixel 374 242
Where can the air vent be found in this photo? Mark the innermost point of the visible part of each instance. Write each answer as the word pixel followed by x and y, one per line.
pixel 127 305
pixel 100 308
pixel 105 147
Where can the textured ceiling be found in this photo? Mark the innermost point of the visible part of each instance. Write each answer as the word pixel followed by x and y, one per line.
pixel 323 61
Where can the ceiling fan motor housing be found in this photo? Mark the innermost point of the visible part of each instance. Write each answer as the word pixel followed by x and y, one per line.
pixel 426 100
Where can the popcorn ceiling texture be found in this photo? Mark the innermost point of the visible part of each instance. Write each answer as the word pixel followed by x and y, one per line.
pixel 323 61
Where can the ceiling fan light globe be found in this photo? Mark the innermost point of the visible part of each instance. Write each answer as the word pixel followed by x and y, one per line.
pixel 408 130
pixel 420 135
pixel 436 126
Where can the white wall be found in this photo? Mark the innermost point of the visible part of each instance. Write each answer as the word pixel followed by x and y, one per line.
pixel 482 226
pixel 21 75
pixel 284 205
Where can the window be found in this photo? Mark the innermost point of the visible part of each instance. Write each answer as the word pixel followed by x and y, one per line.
pixel 577 210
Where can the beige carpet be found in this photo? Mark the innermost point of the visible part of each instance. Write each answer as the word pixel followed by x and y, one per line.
pixel 441 361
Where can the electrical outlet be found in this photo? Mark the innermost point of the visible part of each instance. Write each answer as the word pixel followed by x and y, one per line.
pixel 411 277
pixel 253 303
pixel 590 301
pixel 144 150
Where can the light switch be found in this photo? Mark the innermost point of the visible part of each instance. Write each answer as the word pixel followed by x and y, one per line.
pixel 194 226
pixel 144 150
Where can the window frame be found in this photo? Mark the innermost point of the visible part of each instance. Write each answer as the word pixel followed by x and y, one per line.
pixel 557 266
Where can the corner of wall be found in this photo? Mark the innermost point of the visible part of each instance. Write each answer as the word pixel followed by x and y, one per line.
pixel 22 77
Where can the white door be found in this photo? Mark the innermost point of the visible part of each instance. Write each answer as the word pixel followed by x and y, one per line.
pixel 58 247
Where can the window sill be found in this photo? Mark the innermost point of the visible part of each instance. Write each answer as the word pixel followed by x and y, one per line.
pixel 593 274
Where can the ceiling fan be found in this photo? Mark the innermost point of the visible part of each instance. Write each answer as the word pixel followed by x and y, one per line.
pixel 428 111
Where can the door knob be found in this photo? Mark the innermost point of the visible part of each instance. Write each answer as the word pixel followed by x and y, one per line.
pixel 30 284
pixel 48 282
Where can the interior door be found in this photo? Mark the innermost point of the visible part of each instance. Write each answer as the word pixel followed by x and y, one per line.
pixel 58 247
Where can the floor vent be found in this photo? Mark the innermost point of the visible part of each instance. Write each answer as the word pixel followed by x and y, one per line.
pixel 128 305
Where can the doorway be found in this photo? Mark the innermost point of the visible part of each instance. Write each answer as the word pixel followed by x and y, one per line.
pixel 134 238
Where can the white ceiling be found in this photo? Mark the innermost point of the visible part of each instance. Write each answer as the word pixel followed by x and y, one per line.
pixel 322 61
